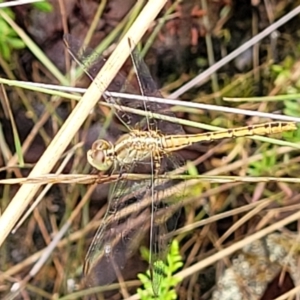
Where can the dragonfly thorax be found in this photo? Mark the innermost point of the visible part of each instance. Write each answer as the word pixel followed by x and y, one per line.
pixel 130 148
pixel 138 146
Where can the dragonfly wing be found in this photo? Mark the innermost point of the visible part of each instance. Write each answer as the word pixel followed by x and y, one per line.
pixel 86 57
pixel 120 234
pixel 167 205
pixel 91 62
pixel 149 88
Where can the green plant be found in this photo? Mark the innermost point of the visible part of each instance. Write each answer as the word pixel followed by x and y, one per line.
pixel 43 6
pixel 163 279
pixel 263 166
pixel 9 38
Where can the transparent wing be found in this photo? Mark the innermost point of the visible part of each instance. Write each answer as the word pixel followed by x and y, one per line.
pixel 120 234
pixel 149 88
pixel 166 209
pixel 92 62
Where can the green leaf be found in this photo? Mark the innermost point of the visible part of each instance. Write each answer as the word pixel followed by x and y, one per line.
pixel 4 29
pixel 192 170
pixel 4 50
pixel 16 43
pixel 43 6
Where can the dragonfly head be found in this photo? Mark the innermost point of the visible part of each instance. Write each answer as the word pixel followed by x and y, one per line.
pixel 101 155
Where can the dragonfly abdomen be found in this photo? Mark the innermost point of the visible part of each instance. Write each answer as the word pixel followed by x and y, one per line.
pixel 176 142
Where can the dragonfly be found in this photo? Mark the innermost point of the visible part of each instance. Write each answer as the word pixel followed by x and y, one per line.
pixel 151 146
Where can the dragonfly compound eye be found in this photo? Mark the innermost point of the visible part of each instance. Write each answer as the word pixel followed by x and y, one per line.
pixel 98 156
pixel 101 145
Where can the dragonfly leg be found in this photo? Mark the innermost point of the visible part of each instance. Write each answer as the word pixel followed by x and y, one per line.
pixel 121 172
pixel 156 161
